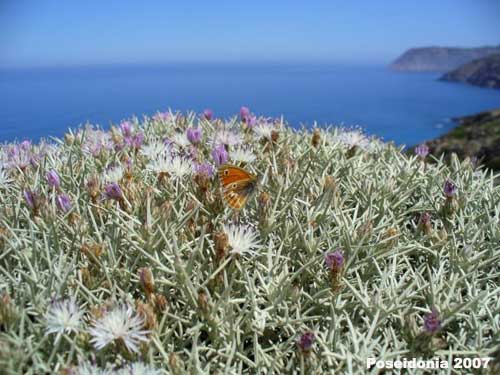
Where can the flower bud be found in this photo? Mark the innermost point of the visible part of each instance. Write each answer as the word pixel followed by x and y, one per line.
pixel 316 138
pixel 146 280
pixel 147 313
pixel 221 245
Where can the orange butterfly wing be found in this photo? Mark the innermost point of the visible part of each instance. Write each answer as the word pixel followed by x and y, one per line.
pixel 231 173
pixel 235 200
pixel 238 185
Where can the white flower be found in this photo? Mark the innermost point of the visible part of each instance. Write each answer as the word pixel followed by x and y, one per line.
pixel 227 137
pixel 263 131
pixel 138 368
pixel 241 239
pixel 243 154
pixel 352 138
pixel 153 149
pixel 122 324
pixel 63 317
pixel 180 139
pixel 176 166
pixel 114 174
pixel 180 167
pixel 96 141
pixel 90 369
pixel 160 163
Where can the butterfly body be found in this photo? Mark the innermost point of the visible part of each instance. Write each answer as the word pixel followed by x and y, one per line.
pixel 238 185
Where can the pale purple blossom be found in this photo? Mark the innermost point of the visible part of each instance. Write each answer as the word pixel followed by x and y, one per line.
pixel 306 341
pixel 208 114
pixel 334 260
pixel 450 189
pixel 162 116
pixel 135 141
pixel 32 199
pixel 63 202
pixel 205 169
pixel 25 145
pixel 220 155
pixel 432 323
pixel 251 121
pixel 113 191
pixel 422 150
pixel 194 135
pixel 126 128
pixel 53 179
pixel 18 157
pixel 244 113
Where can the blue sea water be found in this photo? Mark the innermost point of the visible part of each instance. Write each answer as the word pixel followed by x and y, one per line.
pixel 403 107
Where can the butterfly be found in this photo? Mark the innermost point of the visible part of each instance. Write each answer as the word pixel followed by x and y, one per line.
pixel 238 185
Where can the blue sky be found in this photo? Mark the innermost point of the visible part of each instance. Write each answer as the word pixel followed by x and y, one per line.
pixel 55 33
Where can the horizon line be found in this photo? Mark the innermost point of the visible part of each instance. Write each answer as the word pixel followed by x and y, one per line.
pixel 192 62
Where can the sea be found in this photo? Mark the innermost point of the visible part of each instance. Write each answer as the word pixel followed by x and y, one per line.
pixel 407 108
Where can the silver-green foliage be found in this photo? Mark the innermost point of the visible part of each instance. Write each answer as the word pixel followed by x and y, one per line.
pixel 244 314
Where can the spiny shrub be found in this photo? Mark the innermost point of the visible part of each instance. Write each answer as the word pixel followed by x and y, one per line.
pixel 118 253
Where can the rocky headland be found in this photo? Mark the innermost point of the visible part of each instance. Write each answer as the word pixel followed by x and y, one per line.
pixel 440 59
pixel 483 72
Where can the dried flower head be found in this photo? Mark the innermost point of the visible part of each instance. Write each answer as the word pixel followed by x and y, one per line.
pixel 147 280
pixel 316 137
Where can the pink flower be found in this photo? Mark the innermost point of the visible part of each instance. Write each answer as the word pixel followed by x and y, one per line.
pixel 207 114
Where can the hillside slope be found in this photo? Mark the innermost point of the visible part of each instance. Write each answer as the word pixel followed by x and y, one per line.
pixel 476 136
pixel 483 72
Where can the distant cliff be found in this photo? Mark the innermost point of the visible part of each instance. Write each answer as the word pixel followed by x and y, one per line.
pixel 439 59
pixel 483 72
